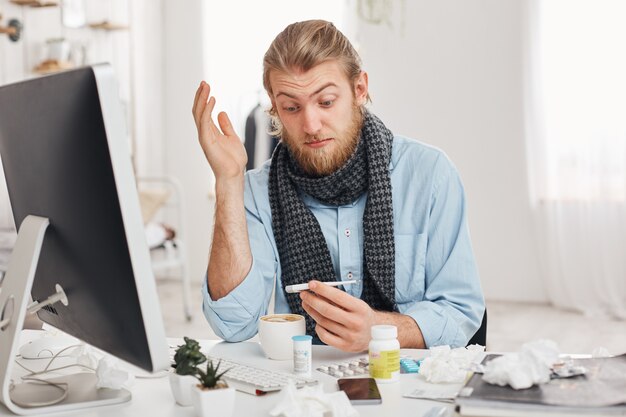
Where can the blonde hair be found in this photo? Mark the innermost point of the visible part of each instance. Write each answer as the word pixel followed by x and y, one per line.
pixel 302 46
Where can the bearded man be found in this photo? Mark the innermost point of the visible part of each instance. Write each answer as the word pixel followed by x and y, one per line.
pixel 342 198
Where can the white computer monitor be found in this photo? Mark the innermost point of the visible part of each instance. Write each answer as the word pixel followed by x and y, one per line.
pixel 67 164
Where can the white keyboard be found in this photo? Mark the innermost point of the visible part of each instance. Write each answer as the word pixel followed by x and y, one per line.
pixel 257 381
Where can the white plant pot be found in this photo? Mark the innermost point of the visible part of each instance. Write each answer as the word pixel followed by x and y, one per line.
pixel 213 402
pixel 181 386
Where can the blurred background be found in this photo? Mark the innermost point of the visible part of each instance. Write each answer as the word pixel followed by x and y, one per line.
pixel 527 97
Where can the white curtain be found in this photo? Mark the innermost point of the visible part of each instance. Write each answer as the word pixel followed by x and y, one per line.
pixel 576 136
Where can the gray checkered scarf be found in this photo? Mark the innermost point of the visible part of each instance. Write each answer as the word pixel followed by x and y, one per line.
pixel 302 248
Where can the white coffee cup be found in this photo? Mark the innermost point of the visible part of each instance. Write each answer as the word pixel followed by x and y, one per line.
pixel 58 49
pixel 275 332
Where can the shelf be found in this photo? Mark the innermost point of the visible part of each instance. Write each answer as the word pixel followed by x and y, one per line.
pixel 50 66
pixel 106 25
pixel 36 3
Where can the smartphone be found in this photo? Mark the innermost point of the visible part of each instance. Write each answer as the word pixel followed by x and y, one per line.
pixel 360 390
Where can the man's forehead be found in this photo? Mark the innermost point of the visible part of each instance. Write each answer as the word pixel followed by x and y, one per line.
pixel 297 81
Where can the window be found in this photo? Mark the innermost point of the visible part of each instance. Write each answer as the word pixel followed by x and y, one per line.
pixel 578 84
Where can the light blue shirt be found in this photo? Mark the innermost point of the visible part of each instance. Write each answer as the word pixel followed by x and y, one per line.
pixel 437 281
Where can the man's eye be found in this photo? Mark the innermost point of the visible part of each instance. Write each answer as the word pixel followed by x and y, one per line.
pixel 327 103
pixel 291 109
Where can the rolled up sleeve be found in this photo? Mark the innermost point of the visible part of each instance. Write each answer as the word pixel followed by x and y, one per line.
pixel 235 316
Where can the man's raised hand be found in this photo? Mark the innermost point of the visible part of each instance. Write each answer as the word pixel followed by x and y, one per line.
pixel 223 148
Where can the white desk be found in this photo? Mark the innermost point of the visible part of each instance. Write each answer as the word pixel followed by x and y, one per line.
pixel 153 398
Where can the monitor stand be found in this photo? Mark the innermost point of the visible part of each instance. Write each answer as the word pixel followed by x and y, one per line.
pixel 31 398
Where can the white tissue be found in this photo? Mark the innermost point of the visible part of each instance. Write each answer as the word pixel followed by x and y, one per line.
pixel 111 376
pixel 85 356
pixel 531 365
pixel 312 402
pixel 445 365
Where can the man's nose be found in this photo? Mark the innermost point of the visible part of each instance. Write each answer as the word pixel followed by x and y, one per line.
pixel 312 123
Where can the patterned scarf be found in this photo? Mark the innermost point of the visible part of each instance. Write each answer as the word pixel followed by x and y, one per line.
pixel 302 248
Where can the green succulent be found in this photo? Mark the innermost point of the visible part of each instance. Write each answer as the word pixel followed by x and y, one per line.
pixel 188 357
pixel 211 377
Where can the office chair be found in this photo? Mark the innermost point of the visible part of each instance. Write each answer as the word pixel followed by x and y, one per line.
pixel 172 254
pixel 480 337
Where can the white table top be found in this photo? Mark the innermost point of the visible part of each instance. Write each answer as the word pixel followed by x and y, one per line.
pixel 152 396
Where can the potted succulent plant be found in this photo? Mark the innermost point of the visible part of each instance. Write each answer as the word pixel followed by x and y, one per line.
pixel 186 361
pixel 212 396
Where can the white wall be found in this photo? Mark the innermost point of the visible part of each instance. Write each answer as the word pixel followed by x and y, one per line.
pixel 146 62
pixel 182 157
pixel 450 74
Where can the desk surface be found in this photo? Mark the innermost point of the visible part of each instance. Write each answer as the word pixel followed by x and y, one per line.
pixel 152 396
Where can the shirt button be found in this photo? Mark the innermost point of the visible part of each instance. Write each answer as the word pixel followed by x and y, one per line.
pixel 347 232
pixel 350 275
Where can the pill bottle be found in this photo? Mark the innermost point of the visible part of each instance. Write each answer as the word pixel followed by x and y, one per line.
pixel 302 358
pixel 384 354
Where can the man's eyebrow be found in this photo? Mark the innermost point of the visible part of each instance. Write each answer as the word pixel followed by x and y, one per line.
pixel 325 86
pixel 319 90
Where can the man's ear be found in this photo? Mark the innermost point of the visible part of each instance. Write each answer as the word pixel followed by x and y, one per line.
pixel 273 111
pixel 361 89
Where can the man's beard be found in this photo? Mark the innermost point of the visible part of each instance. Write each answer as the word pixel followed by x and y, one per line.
pixel 322 162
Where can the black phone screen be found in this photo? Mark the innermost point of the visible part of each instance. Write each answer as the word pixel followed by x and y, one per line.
pixel 360 390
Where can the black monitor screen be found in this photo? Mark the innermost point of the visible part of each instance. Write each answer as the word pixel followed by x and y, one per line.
pixel 57 164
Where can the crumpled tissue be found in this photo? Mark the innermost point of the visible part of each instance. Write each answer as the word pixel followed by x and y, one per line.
pixel 531 365
pixel 446 365
pixel 85 356
pixel 111 376
pixel 312 402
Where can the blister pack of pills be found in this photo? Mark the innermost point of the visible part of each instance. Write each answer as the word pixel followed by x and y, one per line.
pixel 343 369
pixel 409 366
pixel 360 367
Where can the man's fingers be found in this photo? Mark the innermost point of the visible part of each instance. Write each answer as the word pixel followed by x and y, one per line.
pixel 200 104
pixel 209 107
pixel 225 124
pixel 195 99
pixel 331 325
pixel 324 307
pixel 329 338
pixel 206 118
pixel 335 295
